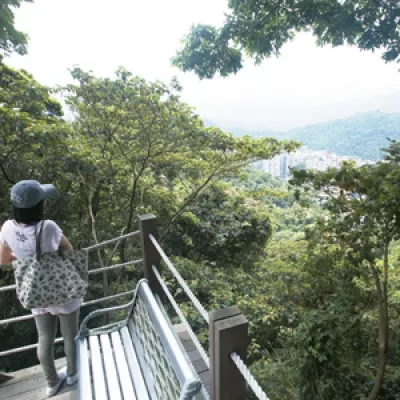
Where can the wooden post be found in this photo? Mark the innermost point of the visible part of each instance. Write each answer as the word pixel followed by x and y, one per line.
pixel 148 225
pixel 228 333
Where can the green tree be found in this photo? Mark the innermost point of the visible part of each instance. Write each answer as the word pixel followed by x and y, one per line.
pixel 10 38
pixel 224 227
pixel 259 29
pixel 143 146
pixel 33 140
pixel 363 222
pixel 29 120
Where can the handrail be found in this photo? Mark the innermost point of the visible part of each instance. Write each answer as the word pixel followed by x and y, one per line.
pixel 249 378
pixel 16 319
pixel 25 348
pixel 182 318
pixel 179 278
pixel 30 316
pixel 115 266
pixel 87 303
pixel 170 342
pixel 7 288
pixel 91 302
pixel 97 245
pixel 101 299
pixel 242 368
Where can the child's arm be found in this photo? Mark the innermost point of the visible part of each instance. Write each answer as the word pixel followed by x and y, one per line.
pixel 65 245
pixel 6 255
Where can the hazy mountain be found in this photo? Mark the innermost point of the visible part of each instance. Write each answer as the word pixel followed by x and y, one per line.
pixel 240 130
pixel 362 135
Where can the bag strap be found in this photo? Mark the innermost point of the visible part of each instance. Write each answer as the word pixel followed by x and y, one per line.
pixel 38 237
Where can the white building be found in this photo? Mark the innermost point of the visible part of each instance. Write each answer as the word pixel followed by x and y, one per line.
pixel 279 166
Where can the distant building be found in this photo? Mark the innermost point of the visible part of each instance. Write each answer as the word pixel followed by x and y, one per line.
pixel 279 166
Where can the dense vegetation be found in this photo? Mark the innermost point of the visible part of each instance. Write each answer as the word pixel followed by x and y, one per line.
pixel 132 148
pixel 319 285
pixel 363 135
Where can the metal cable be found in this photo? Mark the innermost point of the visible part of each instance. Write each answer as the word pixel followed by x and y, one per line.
pixel 25 348
pixel 16 319
pixel 115 266
pixel 87 303
pixel 90 272
pixel 8 288
pixel 114 296
pixel 249 378
pixel 95 246
pixel 93 271
pixel 181 281
pixel 182 318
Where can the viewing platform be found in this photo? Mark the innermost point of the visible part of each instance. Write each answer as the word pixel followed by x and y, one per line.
pixel 221 369
pixel 29 384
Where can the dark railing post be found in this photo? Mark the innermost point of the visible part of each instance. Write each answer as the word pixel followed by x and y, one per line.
pixel 228 333
pixel 148 225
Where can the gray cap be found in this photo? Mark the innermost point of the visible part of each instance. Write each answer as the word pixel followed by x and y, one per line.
pixel 26 194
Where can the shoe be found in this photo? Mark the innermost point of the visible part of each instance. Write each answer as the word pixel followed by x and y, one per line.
pixel 52 390
pixel 72 379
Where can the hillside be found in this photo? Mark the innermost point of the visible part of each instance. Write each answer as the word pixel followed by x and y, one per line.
pixel 362 135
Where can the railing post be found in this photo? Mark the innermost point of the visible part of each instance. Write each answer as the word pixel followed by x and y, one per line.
pixel 228 333
pixel 148 225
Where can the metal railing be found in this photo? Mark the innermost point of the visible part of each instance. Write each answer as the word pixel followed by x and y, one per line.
pixel 20 318
pixel 239 371
pixel 182 318
pixel 223 324
pixel 181 281
pixel 249 378
pixel 152 270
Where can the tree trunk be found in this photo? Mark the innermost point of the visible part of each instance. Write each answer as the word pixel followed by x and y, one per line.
pixel 99 255
pixel 131 212
pixel 381 372
pixel 383 324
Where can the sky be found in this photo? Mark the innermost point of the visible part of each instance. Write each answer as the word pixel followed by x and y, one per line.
pixel 305 85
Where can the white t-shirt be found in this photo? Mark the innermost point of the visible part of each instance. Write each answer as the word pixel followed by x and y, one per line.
pixel 21 239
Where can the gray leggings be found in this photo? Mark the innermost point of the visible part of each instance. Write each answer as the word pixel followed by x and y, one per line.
pixel 47 328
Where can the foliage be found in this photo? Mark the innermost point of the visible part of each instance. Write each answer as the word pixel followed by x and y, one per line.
pixel 223 227
pixel 30 121
pixel 133 147
pixel 10 38
pixel 363 220
pixel 260 28
pixel 146 147
pixel 307 278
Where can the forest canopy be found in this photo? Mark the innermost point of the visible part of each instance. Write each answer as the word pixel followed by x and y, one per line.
pixel 258 29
